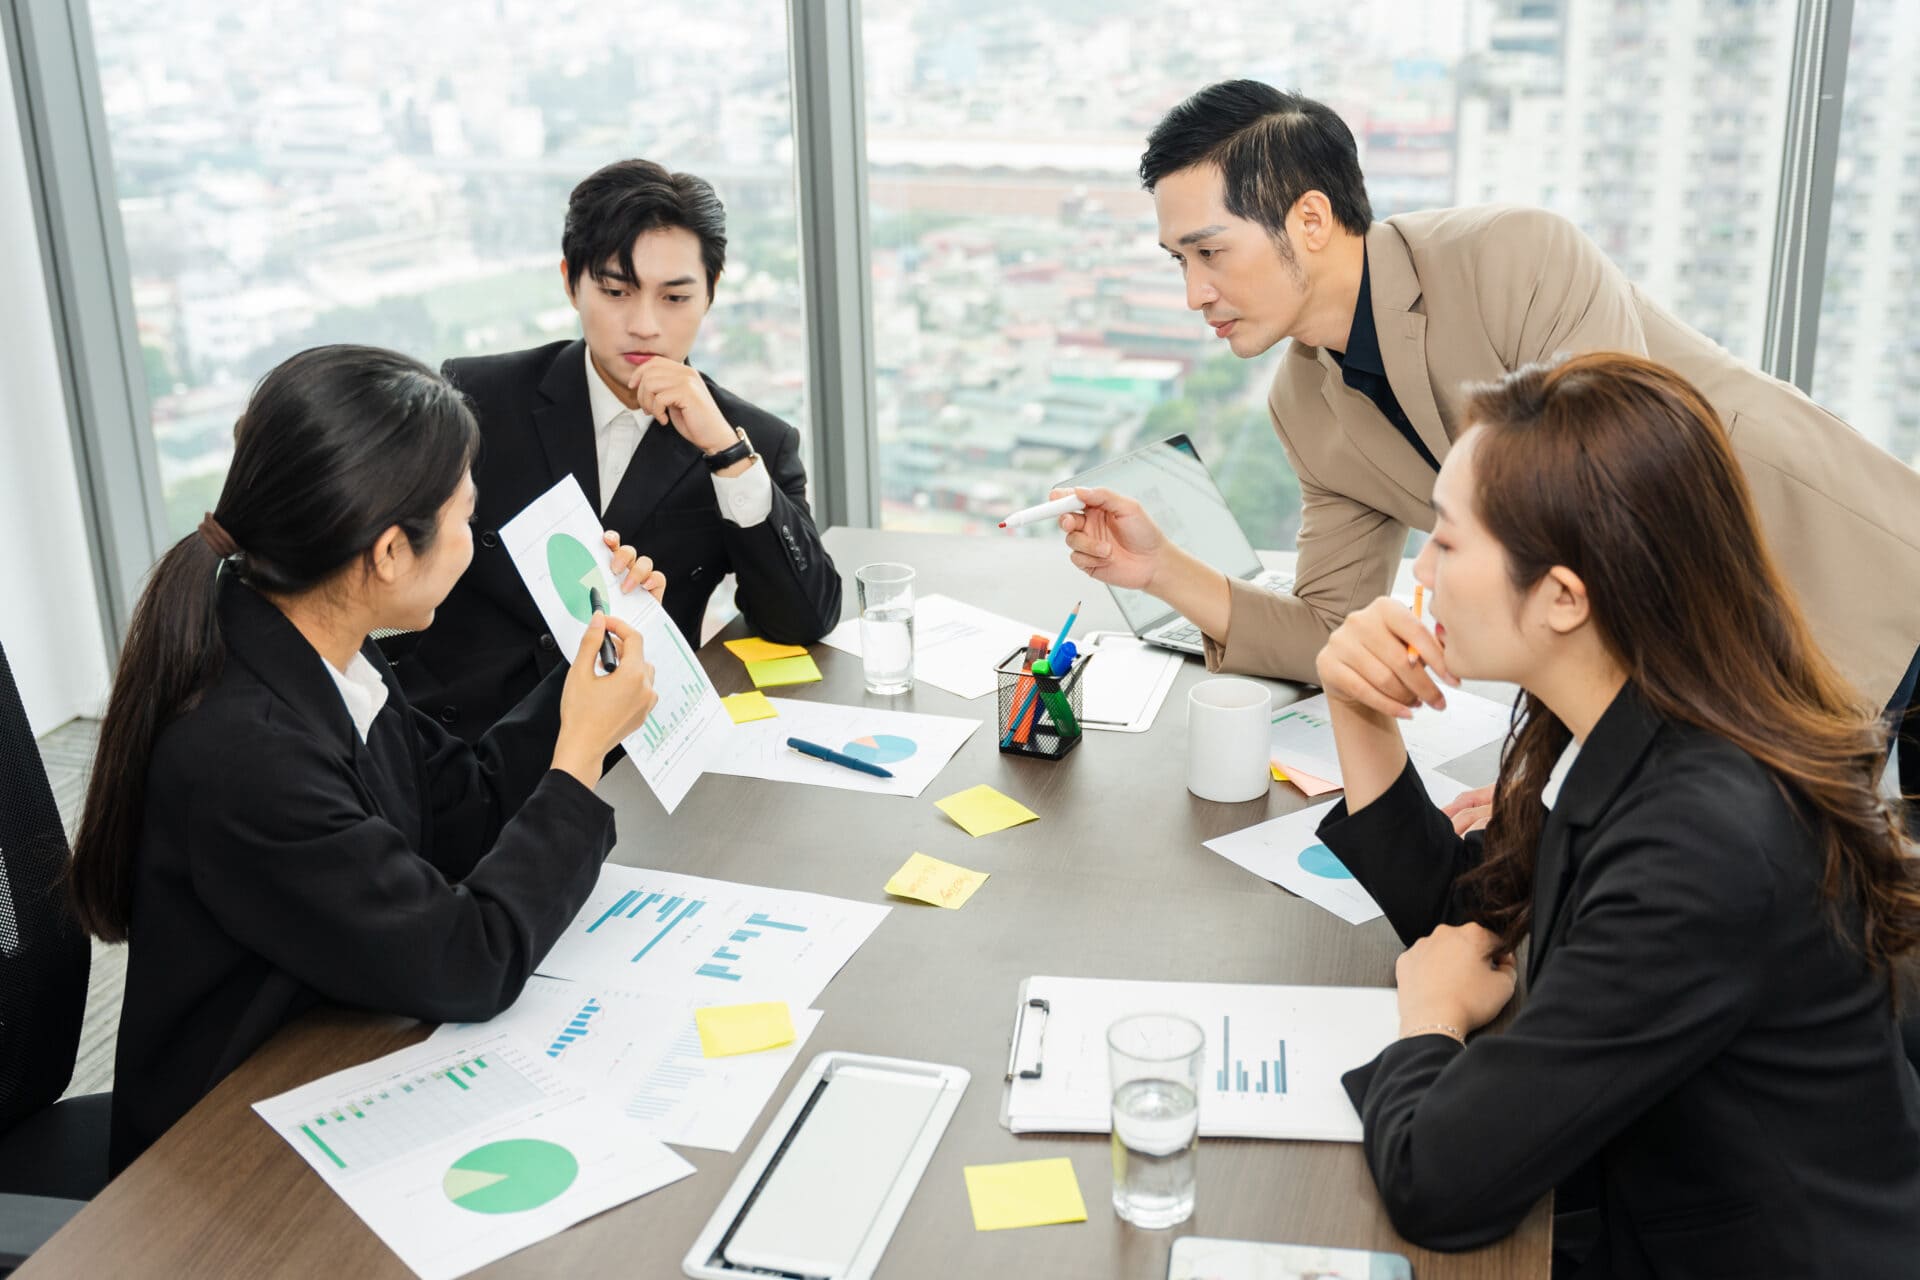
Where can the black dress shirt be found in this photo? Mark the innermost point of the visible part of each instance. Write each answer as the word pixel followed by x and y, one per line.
pixel 1363 369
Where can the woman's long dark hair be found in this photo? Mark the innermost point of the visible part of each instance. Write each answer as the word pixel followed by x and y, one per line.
pixel 1619 470
pixel 336 446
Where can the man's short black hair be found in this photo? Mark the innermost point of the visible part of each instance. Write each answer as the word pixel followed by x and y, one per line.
pixel 1271 148
pixel 617 205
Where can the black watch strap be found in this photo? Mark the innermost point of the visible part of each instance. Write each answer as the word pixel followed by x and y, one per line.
pixel 739 451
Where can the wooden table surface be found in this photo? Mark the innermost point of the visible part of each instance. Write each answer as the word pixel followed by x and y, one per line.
pixel 1111 882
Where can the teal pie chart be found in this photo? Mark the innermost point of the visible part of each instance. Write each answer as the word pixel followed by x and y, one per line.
pixel 881 748
pixel 1318 860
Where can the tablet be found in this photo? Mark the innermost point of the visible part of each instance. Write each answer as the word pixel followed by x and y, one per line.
pixel 1206 1258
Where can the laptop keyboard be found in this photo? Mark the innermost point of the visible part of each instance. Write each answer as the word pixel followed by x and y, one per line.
pixel 1181 634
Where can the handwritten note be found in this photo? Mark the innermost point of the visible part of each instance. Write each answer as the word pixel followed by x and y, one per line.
pixel 927 879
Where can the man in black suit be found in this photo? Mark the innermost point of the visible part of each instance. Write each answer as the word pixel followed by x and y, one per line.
pixel 697 478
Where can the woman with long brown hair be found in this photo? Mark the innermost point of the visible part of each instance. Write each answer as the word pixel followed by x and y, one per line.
pixel 1689 830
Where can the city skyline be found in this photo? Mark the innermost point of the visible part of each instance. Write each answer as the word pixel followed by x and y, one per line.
pixel 403 183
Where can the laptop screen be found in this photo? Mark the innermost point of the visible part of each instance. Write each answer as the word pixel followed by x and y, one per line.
pixel 1179 493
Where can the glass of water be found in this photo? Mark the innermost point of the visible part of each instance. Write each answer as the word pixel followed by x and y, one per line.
pixel 1153 1064
pixel 886 626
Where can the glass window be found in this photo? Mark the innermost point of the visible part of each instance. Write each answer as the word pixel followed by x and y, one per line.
pixel 1026 323
pixel 1867 359
pixel 367 172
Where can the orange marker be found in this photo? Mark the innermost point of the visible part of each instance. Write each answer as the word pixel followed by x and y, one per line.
pixel 1413 653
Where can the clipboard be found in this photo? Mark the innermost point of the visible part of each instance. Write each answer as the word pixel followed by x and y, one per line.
pixel 1127 658
pixel 1273 1059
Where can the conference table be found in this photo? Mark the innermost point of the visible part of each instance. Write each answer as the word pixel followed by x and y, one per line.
pixel 1112 881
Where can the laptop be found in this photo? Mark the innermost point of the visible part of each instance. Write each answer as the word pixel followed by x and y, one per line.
pixel 1178 491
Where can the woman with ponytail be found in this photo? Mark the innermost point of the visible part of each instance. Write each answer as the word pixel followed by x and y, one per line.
pixel 1688 830
pixel 268 824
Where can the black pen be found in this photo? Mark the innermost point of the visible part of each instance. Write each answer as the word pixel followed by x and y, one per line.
pixel 608 658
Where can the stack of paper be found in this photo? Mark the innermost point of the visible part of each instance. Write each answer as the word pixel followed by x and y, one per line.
pixel 464 1149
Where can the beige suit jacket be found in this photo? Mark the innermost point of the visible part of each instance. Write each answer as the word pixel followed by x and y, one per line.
pixel 1466 295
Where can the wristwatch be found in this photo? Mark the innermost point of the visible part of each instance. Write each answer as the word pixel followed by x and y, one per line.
pixel 739 451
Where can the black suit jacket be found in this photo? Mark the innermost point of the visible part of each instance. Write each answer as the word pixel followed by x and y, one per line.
pixel 487 646
pixel 284 862
pixel 1697 1034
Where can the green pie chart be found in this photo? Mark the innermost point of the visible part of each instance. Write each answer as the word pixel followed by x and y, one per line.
pixel 574 570
pixel 511 1176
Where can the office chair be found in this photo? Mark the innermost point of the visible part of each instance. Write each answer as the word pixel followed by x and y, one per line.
pixel 53 1154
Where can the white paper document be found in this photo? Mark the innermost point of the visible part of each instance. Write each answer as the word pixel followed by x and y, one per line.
pixel 556 545
pixel 688 940
pixel 641 1056
pixel 1274 1055
pixel 462 1150
pixel 1125 688
pixel 955 645
pixel 1287 850
pixel 912 747
pixel 1303 733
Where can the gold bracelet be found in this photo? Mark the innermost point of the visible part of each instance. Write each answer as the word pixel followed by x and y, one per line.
pixel 1443 1028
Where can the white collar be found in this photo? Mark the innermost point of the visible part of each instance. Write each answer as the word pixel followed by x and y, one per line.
pixel 362 689
pixel 606 406
pixel 1558 777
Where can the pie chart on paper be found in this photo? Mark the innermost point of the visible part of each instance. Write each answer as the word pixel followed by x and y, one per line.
pixel 511 1176
pixel 881 748
pixel 1318 860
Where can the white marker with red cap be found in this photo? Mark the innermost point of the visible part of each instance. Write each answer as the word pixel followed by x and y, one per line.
pixel 1045 511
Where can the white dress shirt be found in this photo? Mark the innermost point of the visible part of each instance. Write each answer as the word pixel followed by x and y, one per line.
pixel 745 499
pixel 1558 777
pixel 362 689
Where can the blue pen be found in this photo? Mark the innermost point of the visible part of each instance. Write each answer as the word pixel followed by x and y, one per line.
pixel 831 756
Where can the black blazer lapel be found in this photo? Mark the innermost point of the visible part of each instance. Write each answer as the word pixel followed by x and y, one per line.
pixel 1607 761
pixel 564 423
pixel 1550 882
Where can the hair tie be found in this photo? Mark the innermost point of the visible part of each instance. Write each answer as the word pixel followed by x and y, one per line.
pixel 219 539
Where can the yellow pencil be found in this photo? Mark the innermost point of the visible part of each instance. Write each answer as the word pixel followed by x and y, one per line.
pixel 1413 652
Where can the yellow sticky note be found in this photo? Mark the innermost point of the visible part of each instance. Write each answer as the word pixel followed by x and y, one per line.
pixel 931 880
pixel 983 811
pixel 758 650
pixel 752 705
pixel 778 671
pixel 1025 1193
pixel 728 1029
pixel 1278 776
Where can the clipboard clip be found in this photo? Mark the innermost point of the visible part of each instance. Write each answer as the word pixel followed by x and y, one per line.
pixel 1014 1069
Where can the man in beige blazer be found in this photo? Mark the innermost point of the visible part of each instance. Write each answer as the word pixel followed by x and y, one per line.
pixel 1261 201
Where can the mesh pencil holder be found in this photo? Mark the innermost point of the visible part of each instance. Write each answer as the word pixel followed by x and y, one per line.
pixel 1039 715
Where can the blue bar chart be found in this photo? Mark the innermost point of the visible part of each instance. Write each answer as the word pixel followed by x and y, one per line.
pixel 1238 1075
pixel 634 901
pixel 575 1029
pixel 757 924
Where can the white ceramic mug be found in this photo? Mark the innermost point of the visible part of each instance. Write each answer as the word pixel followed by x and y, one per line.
pixel 1229 728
